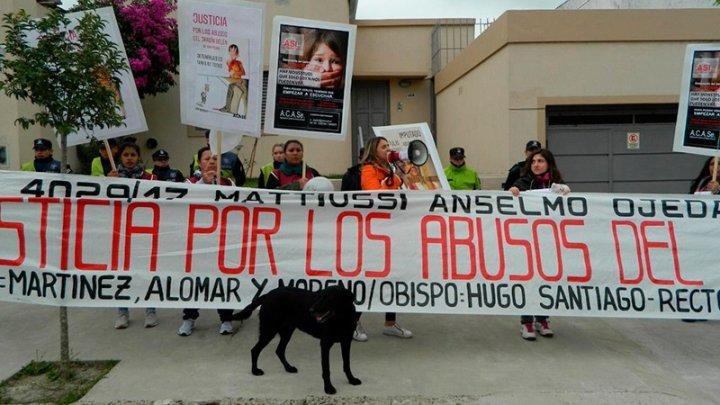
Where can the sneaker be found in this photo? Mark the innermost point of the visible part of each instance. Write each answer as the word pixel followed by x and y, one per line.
pixel 186 327
pixel 122 321
pixel 359 333
pixel 397 331
pixel 226 328
pixel 527 331
pixel 151 319
pixel 543 329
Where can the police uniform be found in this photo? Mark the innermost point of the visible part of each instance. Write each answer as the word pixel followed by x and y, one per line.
pixel 165 173
pixel 47 165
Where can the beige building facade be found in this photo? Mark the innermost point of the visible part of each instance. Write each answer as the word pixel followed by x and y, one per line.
pixel 496 95
pixel 394 56
pixel 492 98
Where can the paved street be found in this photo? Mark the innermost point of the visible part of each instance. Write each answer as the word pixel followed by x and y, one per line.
pixel 481 358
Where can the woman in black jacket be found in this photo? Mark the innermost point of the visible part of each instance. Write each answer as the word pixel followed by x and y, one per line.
pixel 540 172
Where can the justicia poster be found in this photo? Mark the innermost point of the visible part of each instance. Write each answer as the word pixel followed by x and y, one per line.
pixel 221 54
pixel 128 101
pixel 310 78
pixel 698 123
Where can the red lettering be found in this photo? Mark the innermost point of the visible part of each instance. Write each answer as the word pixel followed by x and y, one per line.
pixel 523 243
pixel 581 246
pixel 427 240
pixel 266 233
pixel 223 240
pixel 467 242
pixel 647 245
pixel 481 251
pixel 339 239
pixel 80 228
pixel 44 203
pixel 385 239
pixel 17 227
pixel 151 230
pixel 618 254
pixel 676 258
pixel 199 230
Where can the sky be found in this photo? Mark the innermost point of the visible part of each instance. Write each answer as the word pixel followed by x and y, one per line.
pixel 390 9
pixel 481 9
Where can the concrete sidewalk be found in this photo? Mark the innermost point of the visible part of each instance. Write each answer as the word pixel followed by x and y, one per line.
pixel 482 358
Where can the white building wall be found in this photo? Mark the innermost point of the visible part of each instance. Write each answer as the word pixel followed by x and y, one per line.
pixel 628 4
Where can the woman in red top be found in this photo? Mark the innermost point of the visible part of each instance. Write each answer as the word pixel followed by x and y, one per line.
pixel 131 168
pixel 377 174
pixel 289 176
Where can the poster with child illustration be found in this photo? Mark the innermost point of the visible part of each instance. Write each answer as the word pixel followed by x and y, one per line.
pixel 221 62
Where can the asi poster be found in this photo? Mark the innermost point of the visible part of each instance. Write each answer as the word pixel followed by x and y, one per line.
pixel 221 56
pixel 310 78
pixel 128 101
pixel 698 122
pixel 429 174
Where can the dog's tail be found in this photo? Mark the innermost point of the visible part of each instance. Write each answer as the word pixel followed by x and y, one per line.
pixel 248 310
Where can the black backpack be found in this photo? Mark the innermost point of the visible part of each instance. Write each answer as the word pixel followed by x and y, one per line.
pixel 351 179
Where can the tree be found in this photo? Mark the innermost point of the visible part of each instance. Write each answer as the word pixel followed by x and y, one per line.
pixel 150 37
pixel 71 74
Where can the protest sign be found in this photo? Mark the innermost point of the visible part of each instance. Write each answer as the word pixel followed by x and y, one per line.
pixel 426 176
pixel 697 129
pixel 221 57
pixel 85 241
pixel 310 78
pixel 128 101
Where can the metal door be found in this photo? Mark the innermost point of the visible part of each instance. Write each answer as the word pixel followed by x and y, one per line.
pixel 370 107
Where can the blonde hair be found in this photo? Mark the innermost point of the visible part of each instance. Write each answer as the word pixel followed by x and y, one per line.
pixel 369 157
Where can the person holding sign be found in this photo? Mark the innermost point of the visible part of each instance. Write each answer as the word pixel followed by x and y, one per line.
pixel 540 172
pixel 209 172
pixel 101 165
pixel 377 174
pixel 293 173
pixel 706 181
pixel 131 168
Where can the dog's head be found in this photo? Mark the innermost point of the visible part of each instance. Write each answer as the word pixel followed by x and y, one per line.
pixel 331 301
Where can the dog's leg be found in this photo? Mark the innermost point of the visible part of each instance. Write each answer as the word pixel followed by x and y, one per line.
pixel 263 341
pixel 325 362
pixel 285 335
pixel 345 349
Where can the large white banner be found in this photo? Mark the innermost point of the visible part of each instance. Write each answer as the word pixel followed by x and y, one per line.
pixel 311 64
pixel 128 100
pixel 221 55
pixel 87 241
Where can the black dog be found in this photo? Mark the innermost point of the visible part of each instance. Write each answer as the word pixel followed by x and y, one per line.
pixel 328 315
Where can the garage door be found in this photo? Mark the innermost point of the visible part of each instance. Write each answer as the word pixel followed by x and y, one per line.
pixel 620 150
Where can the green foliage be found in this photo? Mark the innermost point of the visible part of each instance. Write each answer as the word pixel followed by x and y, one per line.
pixel 40 382
pixel 71 74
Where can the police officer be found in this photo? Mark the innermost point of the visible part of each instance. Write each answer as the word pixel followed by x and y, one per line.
pixel 458 174
pixel 514 172
pixel 161 168
pixel 43 161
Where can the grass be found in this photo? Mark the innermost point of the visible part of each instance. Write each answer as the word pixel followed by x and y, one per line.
pixel 40 382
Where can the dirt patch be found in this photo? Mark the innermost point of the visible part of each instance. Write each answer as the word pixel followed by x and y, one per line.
pixel 39 382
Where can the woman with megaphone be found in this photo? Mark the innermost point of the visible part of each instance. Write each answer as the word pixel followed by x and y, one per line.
pixel 378 174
